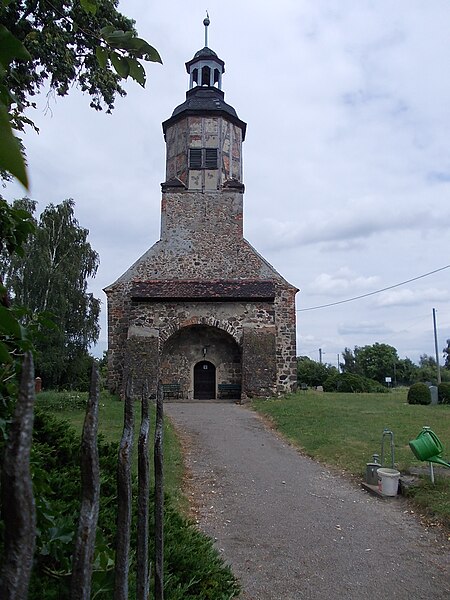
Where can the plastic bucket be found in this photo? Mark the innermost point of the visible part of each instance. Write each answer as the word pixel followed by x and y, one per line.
pixel 388 481
pixel 426 445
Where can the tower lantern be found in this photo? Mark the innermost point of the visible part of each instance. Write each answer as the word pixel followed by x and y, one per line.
pixel 206 68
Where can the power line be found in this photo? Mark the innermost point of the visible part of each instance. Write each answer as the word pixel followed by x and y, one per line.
pixel 372 293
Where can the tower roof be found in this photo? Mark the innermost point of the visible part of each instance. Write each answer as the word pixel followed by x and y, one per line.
pixel 205 54
pixel 202 100
pixel 205 95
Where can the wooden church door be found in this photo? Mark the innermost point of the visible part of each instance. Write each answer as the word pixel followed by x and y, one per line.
pixel 204 381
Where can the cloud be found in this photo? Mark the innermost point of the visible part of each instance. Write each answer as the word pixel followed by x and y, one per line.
pixel 343 281
pixel 409 297
pixel 354 223
pixel 438 177
pixel 364 328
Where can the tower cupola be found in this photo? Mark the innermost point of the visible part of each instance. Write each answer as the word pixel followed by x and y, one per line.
pixel 204 135
pixel 206 68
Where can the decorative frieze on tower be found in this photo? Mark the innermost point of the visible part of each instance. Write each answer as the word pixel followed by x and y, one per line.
pixel 201 310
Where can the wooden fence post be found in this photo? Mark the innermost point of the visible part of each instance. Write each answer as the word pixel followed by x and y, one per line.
pixel 83 555
pixel 19 511
pixel 142 575
pixel 124 499
pixel 159 497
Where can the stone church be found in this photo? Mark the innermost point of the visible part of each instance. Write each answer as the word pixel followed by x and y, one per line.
pixel 201 311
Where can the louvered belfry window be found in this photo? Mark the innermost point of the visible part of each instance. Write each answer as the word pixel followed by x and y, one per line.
pixel 210 158
pixel 203 158
pixel 195 158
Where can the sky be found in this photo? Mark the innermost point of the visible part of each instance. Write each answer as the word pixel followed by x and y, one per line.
pixel 346 157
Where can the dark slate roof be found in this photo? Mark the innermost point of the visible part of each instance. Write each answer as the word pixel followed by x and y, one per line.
pixel 202 100
pixel 207 54
pixel 175 182
pixel 213 290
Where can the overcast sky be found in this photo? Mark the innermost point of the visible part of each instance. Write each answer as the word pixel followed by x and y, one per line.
pixel 346 159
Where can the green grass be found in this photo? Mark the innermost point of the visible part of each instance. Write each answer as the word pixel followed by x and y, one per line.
pixel 70 406
pixel 345 430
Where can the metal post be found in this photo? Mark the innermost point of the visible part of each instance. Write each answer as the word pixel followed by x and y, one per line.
pixel 206 24
pixel 436 347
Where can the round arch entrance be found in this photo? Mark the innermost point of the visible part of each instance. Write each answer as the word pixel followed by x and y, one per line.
pixel 190 349
pixel 204 380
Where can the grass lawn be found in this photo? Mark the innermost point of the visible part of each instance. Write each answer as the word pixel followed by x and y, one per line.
pixel 70 406
pixel 345 430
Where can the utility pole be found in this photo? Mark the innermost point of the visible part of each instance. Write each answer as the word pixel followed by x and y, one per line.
pixel 320 355
pixel 338 365
pixel 436 347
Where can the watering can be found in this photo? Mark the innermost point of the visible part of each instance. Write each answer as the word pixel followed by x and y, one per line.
pixel 427 446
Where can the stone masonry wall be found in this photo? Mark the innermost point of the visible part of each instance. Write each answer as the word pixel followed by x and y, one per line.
pixel 201 219
pixel 259 361
pixel 141 365
pixel 162 319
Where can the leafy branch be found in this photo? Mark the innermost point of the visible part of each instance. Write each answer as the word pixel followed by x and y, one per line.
pixel 45 42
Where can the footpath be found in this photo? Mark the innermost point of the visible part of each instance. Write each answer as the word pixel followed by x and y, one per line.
pixel 290 528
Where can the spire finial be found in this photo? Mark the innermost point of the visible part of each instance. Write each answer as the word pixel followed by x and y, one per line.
pixel 206 22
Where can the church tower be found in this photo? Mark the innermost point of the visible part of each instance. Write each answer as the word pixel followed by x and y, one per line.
pixel 201 310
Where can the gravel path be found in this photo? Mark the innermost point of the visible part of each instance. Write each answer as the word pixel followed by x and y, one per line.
pixel 290 528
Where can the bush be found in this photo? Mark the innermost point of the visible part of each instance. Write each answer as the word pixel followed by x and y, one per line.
pixel 444 393
pixel 331 382
pixel 311 372
pixel 349 383
pixel 194 570
pixel 419 393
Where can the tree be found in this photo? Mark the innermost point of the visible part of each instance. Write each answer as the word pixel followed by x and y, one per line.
pixel 61 43
pixel 427 370
pixel 52 278
pixel 446 352
pixel 349 364
pixel 376 361
pixel 311 372
pixel 406 372
pixel 17 225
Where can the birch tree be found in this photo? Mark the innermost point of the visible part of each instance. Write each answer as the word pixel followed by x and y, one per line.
pixel 52 278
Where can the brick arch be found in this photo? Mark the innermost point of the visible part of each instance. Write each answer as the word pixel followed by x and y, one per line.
pixel 170 329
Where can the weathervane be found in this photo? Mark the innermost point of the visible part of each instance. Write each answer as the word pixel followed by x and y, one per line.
pixel 206 22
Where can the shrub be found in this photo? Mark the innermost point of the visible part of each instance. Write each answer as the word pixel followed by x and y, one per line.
pixel 419 393
pixel 311 372
pixel 331 382
pixel 444 393
pixel 194 570
pixel 349 383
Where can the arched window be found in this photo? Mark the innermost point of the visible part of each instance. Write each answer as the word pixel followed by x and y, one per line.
pixel 206 76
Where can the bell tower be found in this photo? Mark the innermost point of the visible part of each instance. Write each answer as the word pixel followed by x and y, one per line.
pixel 202 301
